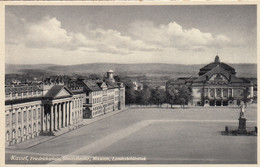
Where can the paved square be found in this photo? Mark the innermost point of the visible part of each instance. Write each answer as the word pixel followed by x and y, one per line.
pixel 155 135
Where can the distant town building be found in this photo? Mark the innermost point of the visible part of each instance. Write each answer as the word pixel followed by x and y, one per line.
pixel 217 85
pixel 57 104
pixel 138 85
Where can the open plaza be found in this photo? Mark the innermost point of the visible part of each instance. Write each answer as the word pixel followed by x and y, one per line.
pixel 147 136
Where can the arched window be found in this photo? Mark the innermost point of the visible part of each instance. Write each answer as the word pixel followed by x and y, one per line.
pixel 24 130
pixel 30 129
pixel 218 92
pixel 7 136
pixel 34 127
pixel 13 134
pixel 212 93
pixel 19 132
pixel 225 93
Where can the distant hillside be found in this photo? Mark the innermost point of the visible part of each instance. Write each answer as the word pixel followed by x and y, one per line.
pixel 149 69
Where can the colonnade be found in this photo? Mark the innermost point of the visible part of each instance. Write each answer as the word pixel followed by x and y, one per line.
pixel 59 116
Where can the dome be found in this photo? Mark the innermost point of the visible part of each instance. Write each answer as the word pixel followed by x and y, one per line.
pixel 110 71
pixel 210 66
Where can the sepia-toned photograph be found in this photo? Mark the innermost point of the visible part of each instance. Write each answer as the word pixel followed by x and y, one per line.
pixel 131 84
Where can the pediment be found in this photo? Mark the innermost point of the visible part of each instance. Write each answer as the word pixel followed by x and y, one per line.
pixel 63 92
pixel 218 77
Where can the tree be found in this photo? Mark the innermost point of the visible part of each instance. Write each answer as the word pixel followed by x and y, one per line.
pixel 130 95
pixel 145 96
pixel 183 95
pixel 158 96
pixel 170 94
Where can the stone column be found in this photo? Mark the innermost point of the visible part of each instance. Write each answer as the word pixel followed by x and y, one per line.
pixel 67 113
pixel 63 115
pixel 42 117
pixel 31 121
pixel 22 124
pixel 221 92
pixel 10 122
pixel 59 125
pixel 51 119
pixel 27 121
pixel 55 116
pixel 215 92
pixel 37 126
pixel 16 123
pixel 232 92
pixel 70 119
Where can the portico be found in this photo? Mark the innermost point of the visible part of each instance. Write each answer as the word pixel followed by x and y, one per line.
pixel 58 109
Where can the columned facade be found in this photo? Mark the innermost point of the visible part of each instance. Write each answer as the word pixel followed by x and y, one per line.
pixel 59 112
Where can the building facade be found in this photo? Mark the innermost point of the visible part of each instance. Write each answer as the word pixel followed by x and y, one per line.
pixel 103 96
pixel 217 85
pixel 32 110
pixel 57 105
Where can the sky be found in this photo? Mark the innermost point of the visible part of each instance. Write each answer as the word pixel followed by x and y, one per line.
pixel 175 34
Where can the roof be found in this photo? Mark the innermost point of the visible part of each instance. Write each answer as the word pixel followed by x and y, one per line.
pixel 55 90
pixel 219 70
pixel 21 89
pixel 110 70
pixel 217 62
pixel 111 84
pixel 216 70
pixel 89 85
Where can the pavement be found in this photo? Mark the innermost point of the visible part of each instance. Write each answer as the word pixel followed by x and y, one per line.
pixel 41 139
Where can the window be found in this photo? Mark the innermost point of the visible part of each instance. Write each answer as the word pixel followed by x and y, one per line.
pixel 34 113
pixel 30 129
pixel 34 127
pixel 225 93
pixel 212 93
pixel 19 117
pixel 13 134
pixel 30 115
pixel 13 118
pixel 19 132
pixel 24 116
pixel 24 130
pixel 218 92
pixel 7 120
pixel 39 113
pixel 7 136
pixel 7 95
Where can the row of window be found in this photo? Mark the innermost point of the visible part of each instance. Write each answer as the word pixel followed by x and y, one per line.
pixel 97 108
pixel 224 92
pixel 24 94
pixel 97 100
pixel 23 114
pixel 97 93
pixel 77 103
pixel 12 136
pixel 97 112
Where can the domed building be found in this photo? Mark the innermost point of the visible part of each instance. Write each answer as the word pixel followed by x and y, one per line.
pixel 217 85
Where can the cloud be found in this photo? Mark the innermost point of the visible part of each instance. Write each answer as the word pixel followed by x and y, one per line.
pixel 141 36
pixel 47 33
pixel 173 35
pixel 50 33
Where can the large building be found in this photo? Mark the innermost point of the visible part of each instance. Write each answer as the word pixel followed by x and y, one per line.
pixel 103 96
pixel 55 106
pixel 217 85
